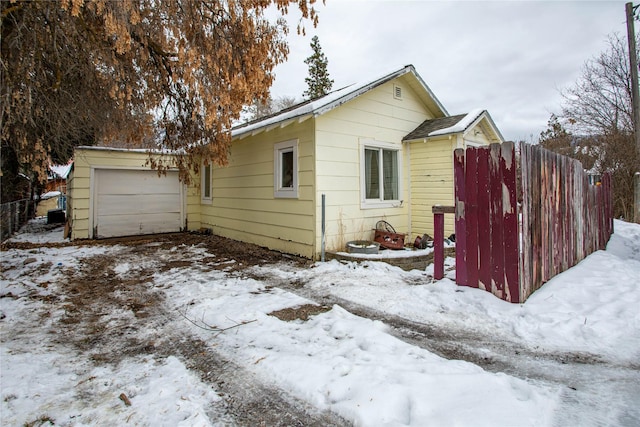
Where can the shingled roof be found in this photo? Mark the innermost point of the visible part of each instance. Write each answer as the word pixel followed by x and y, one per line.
pixel 432 125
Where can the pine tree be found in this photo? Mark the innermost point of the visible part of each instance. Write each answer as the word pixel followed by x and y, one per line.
pixel 318 82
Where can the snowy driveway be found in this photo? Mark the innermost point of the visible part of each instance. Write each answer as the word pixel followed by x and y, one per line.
pixel 196 330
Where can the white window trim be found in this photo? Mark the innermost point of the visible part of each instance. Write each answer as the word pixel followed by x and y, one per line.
pixel 278 190
pixel 379 203
pixel 203 198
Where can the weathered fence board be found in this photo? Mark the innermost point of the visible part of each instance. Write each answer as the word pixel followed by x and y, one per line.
pixel 497 231
pixel 518 224
pixel 510 220
pixel 471 216
pixel 484 231
pixel 460 227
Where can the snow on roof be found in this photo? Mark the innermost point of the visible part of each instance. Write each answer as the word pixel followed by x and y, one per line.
pixel 333 99
pixel 300 110
pixel 61 171
pixel 461 126
pixel 50 194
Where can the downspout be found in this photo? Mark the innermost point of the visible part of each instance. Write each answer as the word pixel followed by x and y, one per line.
pixel 323 228
pixel 410 189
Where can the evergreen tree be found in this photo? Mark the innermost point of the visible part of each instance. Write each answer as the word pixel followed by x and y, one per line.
pixel 318 82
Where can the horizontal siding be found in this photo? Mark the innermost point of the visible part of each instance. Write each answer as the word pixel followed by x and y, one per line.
pixel 375 115
pixel 244 206
pixel 431 183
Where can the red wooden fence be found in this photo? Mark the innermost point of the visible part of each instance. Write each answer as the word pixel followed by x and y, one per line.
pixel 520 223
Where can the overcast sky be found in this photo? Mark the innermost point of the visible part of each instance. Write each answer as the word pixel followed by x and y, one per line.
pixel 511 58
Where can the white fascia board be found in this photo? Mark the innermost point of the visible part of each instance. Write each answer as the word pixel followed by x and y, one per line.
pixel 428 90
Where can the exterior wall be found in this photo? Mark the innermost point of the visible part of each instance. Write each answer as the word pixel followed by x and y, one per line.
pixel 44 206
pixel 432 182
pixel 432 177
pixel 244 207
pixel 79 184
pixel 375 115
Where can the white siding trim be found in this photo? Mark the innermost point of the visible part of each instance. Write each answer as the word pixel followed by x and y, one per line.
pixel 370 203
pixel 278 190
pixel 203 198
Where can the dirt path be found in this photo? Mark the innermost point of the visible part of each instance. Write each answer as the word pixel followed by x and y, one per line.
pixel 94 293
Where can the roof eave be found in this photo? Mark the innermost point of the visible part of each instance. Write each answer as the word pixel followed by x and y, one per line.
pixel 485 115
pixel 322 109
pixel 269 127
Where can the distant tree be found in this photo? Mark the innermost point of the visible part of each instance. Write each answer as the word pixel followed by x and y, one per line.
pixel 598 107
pixel 283 102
pixel 259 109
pixel 556 137
pixel 84 72
pixel 559 140
pixel 318 81
pixel 600 100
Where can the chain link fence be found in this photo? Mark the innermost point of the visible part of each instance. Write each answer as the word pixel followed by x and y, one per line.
pixel 14 215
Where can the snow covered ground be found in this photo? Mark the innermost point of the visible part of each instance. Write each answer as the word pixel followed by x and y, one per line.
pixel 569 356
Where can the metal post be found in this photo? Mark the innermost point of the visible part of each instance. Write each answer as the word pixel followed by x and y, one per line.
pixel 323 228
pixel 636 182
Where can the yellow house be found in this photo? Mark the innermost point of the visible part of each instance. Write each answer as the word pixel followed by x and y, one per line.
pixel 381 150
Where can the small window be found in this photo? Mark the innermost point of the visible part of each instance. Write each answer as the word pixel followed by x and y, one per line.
pixel 206 183
pixel 380 175
pixel 285 171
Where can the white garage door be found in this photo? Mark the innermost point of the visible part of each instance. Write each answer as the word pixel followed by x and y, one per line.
pixel 132 202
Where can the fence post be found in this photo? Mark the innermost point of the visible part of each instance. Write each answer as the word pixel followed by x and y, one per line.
pixel 460 226
pixel 438 238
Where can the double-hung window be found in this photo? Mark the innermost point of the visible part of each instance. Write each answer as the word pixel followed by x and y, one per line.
pixel 380 175
pixel 205 185
pixel 285 172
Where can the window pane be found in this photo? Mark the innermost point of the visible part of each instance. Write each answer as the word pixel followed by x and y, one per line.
pixel 372 174
pixel 207 182
pixel 390 172
pixel 286 169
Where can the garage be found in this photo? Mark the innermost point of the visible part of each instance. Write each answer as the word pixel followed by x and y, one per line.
pixel 129 202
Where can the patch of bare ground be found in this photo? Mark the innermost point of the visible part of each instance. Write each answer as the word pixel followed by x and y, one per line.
pixel 302 312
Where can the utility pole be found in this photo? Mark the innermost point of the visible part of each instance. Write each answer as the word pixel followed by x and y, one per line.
pixel 635 95
pixel 633 62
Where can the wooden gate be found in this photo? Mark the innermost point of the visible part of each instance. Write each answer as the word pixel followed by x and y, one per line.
pixel 519 223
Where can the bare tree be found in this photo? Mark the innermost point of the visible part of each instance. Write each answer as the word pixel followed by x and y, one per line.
pixel 598 108
pixel 263 108
pixel 600 100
